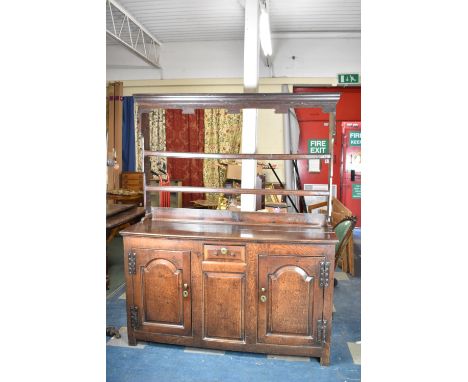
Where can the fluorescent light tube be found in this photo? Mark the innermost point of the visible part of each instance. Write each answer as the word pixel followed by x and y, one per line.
pixel 265 34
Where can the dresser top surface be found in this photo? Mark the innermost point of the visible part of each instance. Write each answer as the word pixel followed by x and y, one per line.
pixel 237 232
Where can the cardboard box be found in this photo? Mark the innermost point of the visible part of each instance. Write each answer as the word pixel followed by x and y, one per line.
pixel 234 171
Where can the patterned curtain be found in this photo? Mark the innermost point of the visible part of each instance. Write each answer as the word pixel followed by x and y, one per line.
pixel 185 133
pixel 223 133
pixel 157 130
pixel 157 122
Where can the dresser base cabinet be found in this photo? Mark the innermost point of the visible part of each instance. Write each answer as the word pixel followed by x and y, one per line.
pixel 260 296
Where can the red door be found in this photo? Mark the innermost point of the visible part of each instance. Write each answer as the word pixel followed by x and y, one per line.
pixel 313 125
pixel 351 168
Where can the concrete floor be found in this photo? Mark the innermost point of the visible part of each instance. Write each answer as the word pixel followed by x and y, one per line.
pixel 158 362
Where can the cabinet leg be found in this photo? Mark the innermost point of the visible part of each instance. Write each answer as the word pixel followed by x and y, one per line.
pixel 325 358
pixel 131 338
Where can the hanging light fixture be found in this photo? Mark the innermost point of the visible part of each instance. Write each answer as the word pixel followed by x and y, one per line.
pixel 265 33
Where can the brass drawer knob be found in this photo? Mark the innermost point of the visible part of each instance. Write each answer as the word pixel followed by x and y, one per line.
pixel 223 251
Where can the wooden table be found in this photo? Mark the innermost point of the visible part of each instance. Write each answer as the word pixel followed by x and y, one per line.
pixel 126 199
pixel 118 217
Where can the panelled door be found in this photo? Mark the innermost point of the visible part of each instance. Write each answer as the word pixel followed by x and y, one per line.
pixel 290 300
pixel 162 291
pixel 224 293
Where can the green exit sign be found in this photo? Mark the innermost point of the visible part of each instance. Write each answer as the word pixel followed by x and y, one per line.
pixel 349 78
pixel 355 138
pixel 356 191
pixel 318 146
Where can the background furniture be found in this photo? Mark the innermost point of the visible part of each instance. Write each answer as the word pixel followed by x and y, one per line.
pixel 344 233
pixel 203 203
pixel 176 197
pixel 131 191
pixel 132 180
pixel 242 281
pixel 339 212
pixel 118 217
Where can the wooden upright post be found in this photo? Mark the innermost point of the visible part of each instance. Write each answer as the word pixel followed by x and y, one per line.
pixel 110 135
pixel 118 99
pixel 114 132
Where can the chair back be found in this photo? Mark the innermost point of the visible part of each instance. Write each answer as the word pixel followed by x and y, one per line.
pixel 343 230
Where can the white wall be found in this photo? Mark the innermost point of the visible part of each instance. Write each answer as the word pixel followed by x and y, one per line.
pixel 314 57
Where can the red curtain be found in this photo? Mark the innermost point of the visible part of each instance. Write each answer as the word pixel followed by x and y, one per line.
pixel 185 133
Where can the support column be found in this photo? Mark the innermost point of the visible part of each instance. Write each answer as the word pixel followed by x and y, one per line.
pixel 331 144
pixel 249 116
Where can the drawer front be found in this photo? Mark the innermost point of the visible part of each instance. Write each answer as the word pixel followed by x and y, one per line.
pixel 224 252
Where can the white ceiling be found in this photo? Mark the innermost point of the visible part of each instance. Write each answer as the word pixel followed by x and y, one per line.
pixel 208 20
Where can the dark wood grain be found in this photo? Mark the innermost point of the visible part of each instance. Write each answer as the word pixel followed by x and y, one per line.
pixel 279 252
pixel 235 217
pixel 126 215
pixel 226 266
pixel 162 276
pixel 238 233
pixel 114 209
pixel 234 102
pixel 224 306
pixel 294 299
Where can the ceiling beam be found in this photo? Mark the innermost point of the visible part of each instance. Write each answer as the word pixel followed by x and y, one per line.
pixel 126 30
pixel 320 35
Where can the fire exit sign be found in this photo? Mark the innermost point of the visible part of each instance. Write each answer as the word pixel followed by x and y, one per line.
pixel 318 146
pixel 349 78
pixel 356 191
pixel 355 138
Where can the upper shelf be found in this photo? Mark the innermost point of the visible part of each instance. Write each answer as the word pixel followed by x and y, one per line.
pixel 170 154
pixel 234 102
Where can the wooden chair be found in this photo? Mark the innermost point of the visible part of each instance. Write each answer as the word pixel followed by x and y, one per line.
pixel 344 232
pixel 339 213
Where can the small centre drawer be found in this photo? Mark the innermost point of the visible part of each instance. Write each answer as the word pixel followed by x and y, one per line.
pixel 224 252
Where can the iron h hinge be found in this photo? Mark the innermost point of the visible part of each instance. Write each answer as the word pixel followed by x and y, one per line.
pixel 322 331
pixel 132 263
pixel 134 316
pixel 324 273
